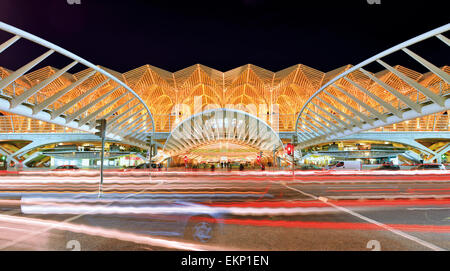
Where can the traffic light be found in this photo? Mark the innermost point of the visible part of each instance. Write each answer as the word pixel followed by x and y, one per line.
pixel 289 148
pixel 100 125
pixel 258 158
pixel 185 159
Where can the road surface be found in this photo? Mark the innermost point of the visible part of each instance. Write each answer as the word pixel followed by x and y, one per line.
pixel 249 210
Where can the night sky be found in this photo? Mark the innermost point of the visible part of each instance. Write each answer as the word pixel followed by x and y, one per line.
pixel 224 34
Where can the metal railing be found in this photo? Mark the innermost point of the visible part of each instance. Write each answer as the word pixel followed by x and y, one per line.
pixel 166 123
pixel 19 124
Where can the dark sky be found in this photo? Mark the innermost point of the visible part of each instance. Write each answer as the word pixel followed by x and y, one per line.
pixel 224 34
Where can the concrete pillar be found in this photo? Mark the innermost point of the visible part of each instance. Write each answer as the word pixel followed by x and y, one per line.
pixel 31 157
pixel 438 154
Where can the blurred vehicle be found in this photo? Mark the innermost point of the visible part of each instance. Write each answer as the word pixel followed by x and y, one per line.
pixel 346 165
pixel 387 167
pixel 139 167
pixel 189 220
pixel 66 167
pixel 192 221
pixel 430 167
pixel 309 167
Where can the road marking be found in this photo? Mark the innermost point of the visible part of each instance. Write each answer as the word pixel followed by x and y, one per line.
pixel 384 196
pixel 359 186
pixel 370 182
pixel 400 233
pixel 428 189
pixel 430 208
pixel 363 190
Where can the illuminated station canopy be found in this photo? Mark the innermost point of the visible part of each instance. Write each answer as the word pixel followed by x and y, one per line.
pixel 222 129
pixel 318 106
pixel 173 97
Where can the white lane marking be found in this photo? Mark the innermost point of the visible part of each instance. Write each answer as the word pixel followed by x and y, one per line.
pixel 381 196
pixel 362 186
pixel 369 181
pixel 430 208
pixel 400 233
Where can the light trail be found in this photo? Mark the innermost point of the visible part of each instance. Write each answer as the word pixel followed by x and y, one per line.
pixel 51 226
pixel 49 205
pixel 379 224
pixel 102 232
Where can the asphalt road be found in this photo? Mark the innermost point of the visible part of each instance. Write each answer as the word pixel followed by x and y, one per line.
pixel 249 211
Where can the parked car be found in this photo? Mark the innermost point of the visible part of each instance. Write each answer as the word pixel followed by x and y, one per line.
pixel 309 167
pixel 346 165
pixel 146 165
pixel 66 167
pixel 430 167
pixel 387 167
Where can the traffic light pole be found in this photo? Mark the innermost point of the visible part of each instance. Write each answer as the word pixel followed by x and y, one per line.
pixel 274 158
pixel 290 148
pixel 100 125
pixel 102 157
pixel 149 141
pixel 151 155
pixel 293 163
pixel 293 155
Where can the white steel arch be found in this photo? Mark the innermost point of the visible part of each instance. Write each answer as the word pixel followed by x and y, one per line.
pixel 94 95
pixel 333 111
pixel 222 124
